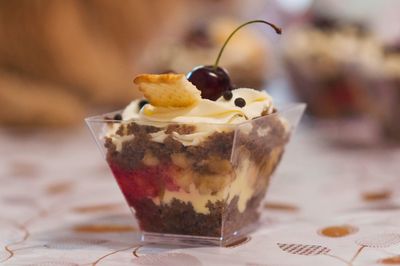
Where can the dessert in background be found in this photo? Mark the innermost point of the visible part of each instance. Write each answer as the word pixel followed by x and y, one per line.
pixel 247 57
pixel 195 156
pixel 327 62
pixel 387 91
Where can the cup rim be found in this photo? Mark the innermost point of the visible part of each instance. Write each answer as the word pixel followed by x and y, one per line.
pixel 282 108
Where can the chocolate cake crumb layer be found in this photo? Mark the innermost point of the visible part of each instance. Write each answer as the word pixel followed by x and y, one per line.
pixel 140 130
pixel 179 217
pixel 217 145
pixel 180 129
pixel 260 146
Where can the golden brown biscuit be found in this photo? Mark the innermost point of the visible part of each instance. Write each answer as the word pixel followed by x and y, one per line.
pixel 168 90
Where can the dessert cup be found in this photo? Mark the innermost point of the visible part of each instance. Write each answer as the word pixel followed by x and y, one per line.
pixel 387 91
pixel 342 106
pixel 339 96
pixel 194 184
pixel 386 86
pixel 329 68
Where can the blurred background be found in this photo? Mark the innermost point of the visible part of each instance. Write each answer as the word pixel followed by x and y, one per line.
pixel 61 61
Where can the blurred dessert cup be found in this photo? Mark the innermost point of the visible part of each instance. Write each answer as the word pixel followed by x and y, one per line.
pixel 329 65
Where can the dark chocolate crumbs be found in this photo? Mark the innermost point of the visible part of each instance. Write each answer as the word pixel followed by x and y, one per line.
pixel 141 130
pixel 265 112
pixel 180 129
pixel 121 130
pixel 227 95
pixel 240 102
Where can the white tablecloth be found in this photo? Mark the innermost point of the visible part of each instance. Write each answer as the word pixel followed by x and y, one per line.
pixel 61 206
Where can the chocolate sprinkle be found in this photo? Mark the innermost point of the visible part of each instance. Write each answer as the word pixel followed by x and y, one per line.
pixel 240 102
pixel 227 95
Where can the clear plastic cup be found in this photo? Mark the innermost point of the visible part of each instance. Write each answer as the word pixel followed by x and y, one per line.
pixel 195 184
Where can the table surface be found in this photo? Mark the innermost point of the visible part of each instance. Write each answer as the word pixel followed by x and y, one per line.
pixel 326 206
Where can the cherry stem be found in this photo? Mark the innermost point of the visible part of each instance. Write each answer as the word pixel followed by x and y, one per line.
pixel 277 30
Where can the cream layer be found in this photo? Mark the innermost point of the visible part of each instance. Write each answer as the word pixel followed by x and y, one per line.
pixel 242 186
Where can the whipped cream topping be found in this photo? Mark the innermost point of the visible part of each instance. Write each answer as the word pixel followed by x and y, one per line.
pixel 208 116
pixel 131 111
pixel 220 111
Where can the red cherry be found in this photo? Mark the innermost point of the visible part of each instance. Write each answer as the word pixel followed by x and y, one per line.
pixel 211 81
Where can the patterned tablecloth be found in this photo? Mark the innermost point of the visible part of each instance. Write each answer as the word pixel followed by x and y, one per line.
pixel 326 206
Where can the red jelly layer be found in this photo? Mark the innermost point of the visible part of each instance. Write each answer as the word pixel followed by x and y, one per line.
pixel 146 181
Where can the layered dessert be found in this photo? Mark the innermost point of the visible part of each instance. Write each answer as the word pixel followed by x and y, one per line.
pixel 327 62
pixel 194 157
pixel 193 166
